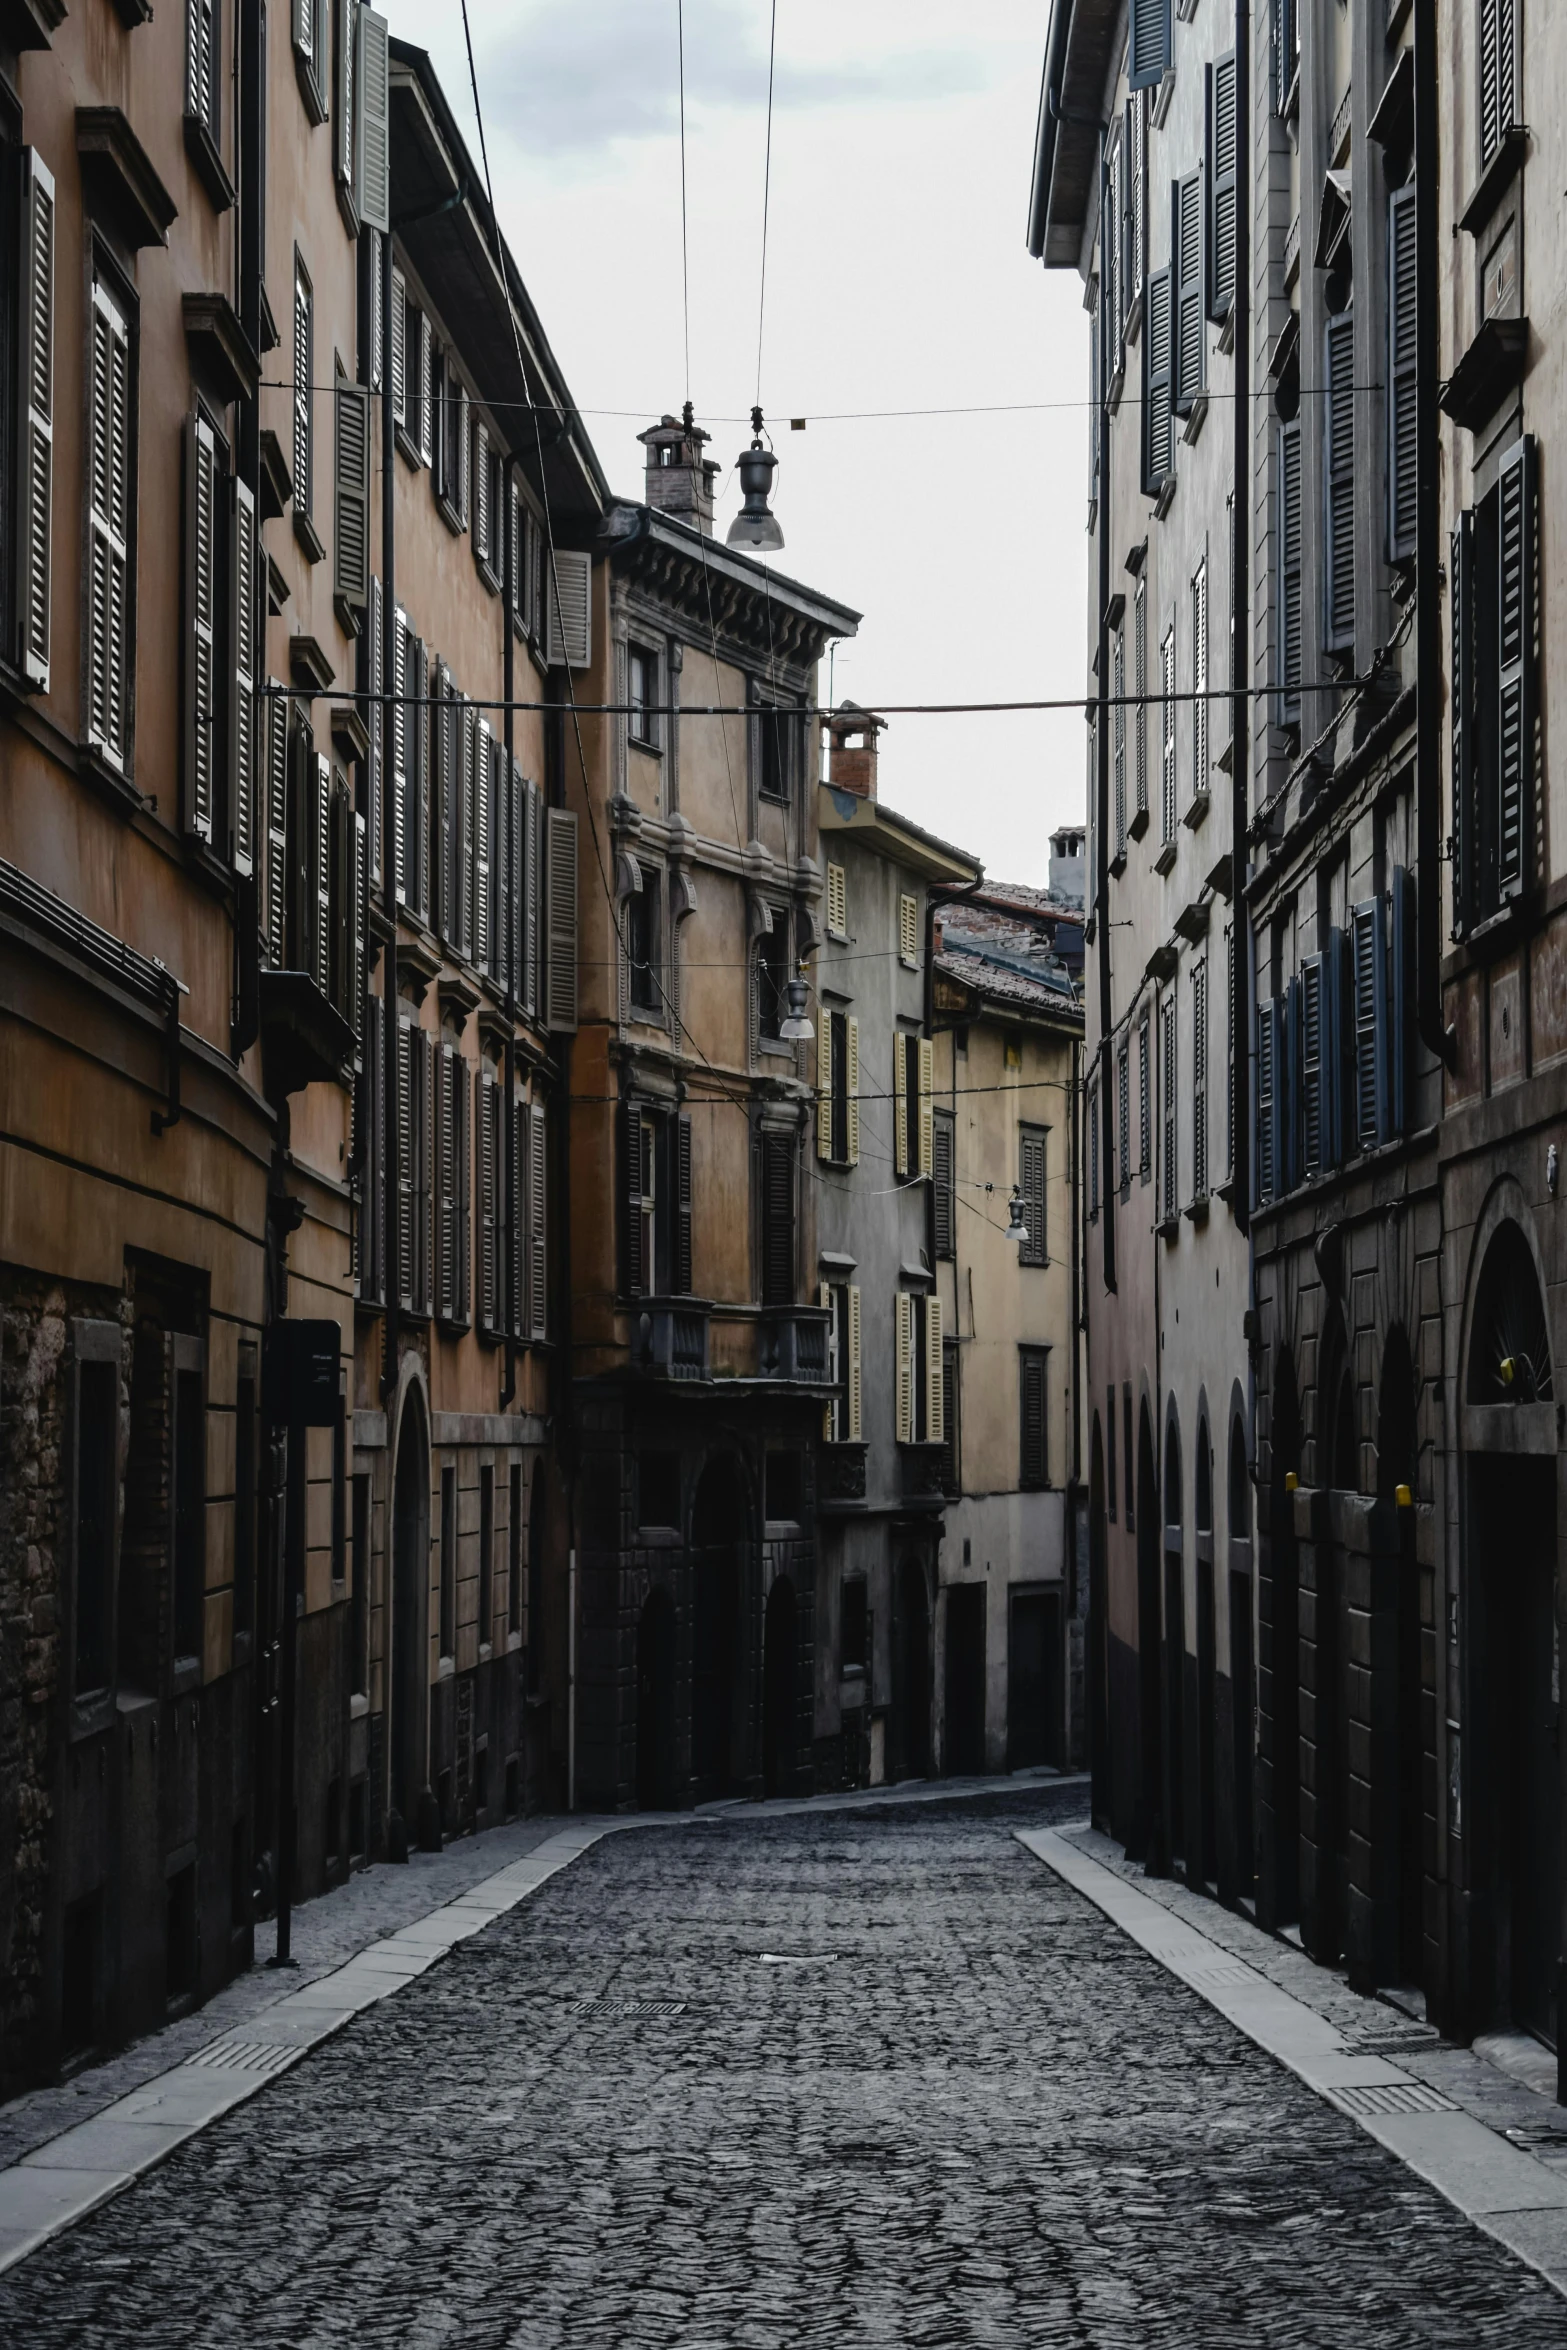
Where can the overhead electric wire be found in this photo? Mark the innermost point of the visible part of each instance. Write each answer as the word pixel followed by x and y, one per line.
pixel 767 190
pixel 1088 702
pixel 685 265
pixel 1128 400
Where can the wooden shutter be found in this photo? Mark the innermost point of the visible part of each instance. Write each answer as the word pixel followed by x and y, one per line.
pixel 459 928
pixel 407 1173
pixel 852 1081
pixel 481 855
pixel 1368 945
pixel 244 615
pixel 927 1085
pixel 1267 1170
pixel 425 1161
pixel 374 189
pixel 1223 186
pixel 837 901
pixel 397 330
pixel 569 610
pixel 909 928
pixel 1401 1054
pixel 1031 1185
pixel 682 1251
pixel 1144 1101
pixel 638 1274
pixel 1201 775
pixel 321 874
pixel 277 734
pixel 1118 738
pixel 1292 631
pixel 1158 429
pixel 424 361
pixel 1313 1066
pixel 489 1157
pixel 560 923
pixel 351 516
pixel 1123 1113
pixel 462 1102
pixel 945 1187
pixel 1200 1080
pixel 1112 250
pixel 1189 307
pixel 201 619
pixel 483 512
pixel 1402 412
pixel 935 1430
pixel 1515 493
pixel 370 1224
pixel 360 927
pixel 109 505
pixel 1169 1138
pixel 345 113
pixel 538 1225
pixel 374 677
pixel 533 898
pixel 851 1374
pixel 1338 456
pixel 304 379
pixel 777 1219
pixel 1148 51
pixel 1140 695
pixel 419 715
pixel 1498 74
pixel 1033 1465
pixel 900 1105
pixel 824 1035
pixel 1136 270
pixel 443 803
pixel 1167 792
pixel 445 1185
pixel 905 1367
pixel 35 451
pixel 401 796
pixel 1461 712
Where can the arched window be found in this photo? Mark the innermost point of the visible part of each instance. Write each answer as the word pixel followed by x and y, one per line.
pixel 1240 1484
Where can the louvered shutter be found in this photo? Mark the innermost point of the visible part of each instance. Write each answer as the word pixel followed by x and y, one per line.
pixel 1158 430
pixel 374 190
pixel 1118 740
pixel 346 113
pixel 374 675
pixel 424 388
pixel 515 1302
pixel 852 1057
pixel 855 1417
pixel 397 329
pixel 482 509
pixel 927 1086
pixel 1401 1055
pixel 1189 308
pixel 35 450
pixel 1341 1046
pixel 1368 947
pixel 463 449
pixel 1169 1161
pixel 321 876
pixel 569 610
pixel 1339 485
pixel 1223 186
pixel 1288 1087
pixel 1515 494
pixel 905 1367
pixel 533 899
pixel 909 928
pixel 1167 790
pixel 1032 1375
pixel 1498 74
pixel 935 1431
pixel 1200 1081
pixel 201 624
pixel 277 737
pixel 1267 1100
pixel 482 850
pixel 462 1102
pixel 1144 1103
pixel 109 498
pixel 1136 197
pixel 1123 1114
pixel 682 1252
pixel 1292 632
pixel 489 1153
pixel 837 901
pixel 361 927
pixel 244 618
pixel 419 715
pixel 560 921
pixel 946 1189
pixel 1148 51
pixel 443 720
pixel 1201 774
pixel 305 28
pixel 1402 411
pixel 407 1172
pixel 304 405
pixel 1140 695
pixel 1461 716
pixel 399 723
pixel 1111 253
pixel 1313 1066
pixel 370 1224
pixel 900 1106
pixel 825 1026
pixel 538 1222
pixel 445 1185
pixel 777 1219
pixel 633 1187
pixel 1031 1185
pixel 428 1051
pixel 351 514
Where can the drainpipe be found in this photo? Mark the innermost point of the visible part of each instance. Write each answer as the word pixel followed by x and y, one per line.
pixel 1440 1039
pixel 1240 641
pixel 509 1073
pixel 389 846
pixel 1101 877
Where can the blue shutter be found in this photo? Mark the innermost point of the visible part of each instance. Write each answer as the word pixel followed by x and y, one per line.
pixel 1313 1065
pixel 1515 489
pixel 1223 186
pixel 1288 1089
pixel 1158 436
pixel 1148 51
pixel 1368 934
pixel 1291 618
pixel 1267 1106
pixel 1401 1106
pixel 1188 305
pixel 1402 434
pixel 1338 465
pixel 1461 714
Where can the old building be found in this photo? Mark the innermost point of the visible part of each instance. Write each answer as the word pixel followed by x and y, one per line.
pixel 882 1479
pixel 697 1350
pixel 1006 1228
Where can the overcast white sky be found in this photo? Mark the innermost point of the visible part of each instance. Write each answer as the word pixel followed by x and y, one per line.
pixel 896 279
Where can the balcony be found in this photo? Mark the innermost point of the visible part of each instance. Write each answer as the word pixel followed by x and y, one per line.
pixel 793 1344
pixel 669 1338
pixel 304 1038
pixel 840 1475
pixel 924 1475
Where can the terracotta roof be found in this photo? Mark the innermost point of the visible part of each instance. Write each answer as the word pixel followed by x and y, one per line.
pixel 1046 989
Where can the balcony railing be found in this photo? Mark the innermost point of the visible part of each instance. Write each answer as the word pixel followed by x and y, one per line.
pixel 794 1344
pixel 669 1337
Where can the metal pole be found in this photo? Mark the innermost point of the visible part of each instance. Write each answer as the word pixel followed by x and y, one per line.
pixel 571 1683
pixel 293 1583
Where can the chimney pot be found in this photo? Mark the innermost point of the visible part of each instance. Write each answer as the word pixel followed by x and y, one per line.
pixel 851 749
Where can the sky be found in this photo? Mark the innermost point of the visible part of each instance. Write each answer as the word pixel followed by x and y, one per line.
pixel 897 278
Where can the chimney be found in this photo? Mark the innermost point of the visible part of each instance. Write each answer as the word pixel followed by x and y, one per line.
pixel 679 478
pixel 851 750
pixel 1067 874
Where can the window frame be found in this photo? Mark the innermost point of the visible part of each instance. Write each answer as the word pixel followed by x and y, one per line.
pixel 641 723
pixel 1032 1477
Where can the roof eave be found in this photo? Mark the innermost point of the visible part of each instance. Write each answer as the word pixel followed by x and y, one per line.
pixel 1078 50
pixel 904 841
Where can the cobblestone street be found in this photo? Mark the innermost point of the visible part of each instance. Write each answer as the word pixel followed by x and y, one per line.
pixel 852 2076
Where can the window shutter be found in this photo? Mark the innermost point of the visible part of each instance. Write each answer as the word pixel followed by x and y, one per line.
pixel 637 1274
pixel 1031 1184
pixel 351 519
pixel 445 1186
pixel 465 823
pixel 1032 1370
pixel 1168 1138
pixel 1112 249
pixel 374 676
pixel 373 191
pixel 1118 738
pixel 824 1034
pixel 422 358
pixel 946 1187
pixel 276 729
pixel 1313 1066
pixel 1287 1089
pixel 1201 774
pixel 900 1106
pixel 935 1398
pixel 837 901
pixel 462 450
pixel 538 1226
pixel 489 1204
pixel 909 929
pixel 109 499
pixel 305 28
pixel 1144 1101
pixel 1186 251
pixel 1515 491
pixel 1498 74
pixel 397 327
pixel 428 1055
pixel 560 922
pixel 483 847
pixel 1267 1101
pixel 462 1102
pixel 244 614
pixel 1158 430
pixel 370 1223
pixel 406 1171
pixel 1460 707
pixel 1402 1054
pixel 1140 694
pixel 777 1219
pixel 1148 53
pixel 1341 1047
pixel 1292 632
pixel 1136 198
pixel 682 1280
pixel 927 1081
pixel 401 797
pixel 1123 1114
pixel 201 621
pixel 849 1424
pixel 360 929
pixel 35 482
pixel 569 610
pixel 1167 706
pixel 905 1367
pixel 1223 183
pixel 1200 1080
pixel 321 875
pixel 347 111
pixel 1368 946
pixel 852 1120
pixel 1339 479
pixel 533 899
pixel 481 493
pixel 1402 434
pixel 443 755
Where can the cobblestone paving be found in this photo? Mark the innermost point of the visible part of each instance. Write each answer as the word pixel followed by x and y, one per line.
pixel 840 2078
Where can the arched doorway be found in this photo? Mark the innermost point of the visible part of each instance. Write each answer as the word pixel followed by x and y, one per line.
pixel 1243 1674
pixel 1206 1857
pixel 780 1689
pixel 1278 1602
pixel 1098 1644
pixel 1176 1838
pixel 1397 1733
pixel 656 1757
pixel 913 1671
pixel 411 1803
pixel 718 1760
pixel 1147 1842
pixel 1512 1798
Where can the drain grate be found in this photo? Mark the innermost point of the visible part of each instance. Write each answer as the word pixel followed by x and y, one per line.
pixel 1392 2097
pixel 246 2056
pixel 629 2011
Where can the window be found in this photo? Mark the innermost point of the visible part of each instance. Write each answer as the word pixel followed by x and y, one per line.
pixel 448 444
pixel 1167 735
pixel 1498 74
pixel 944 1178
pixel 304 412
pixel 111 505
pixel 1031 1183
pixel 203 68
pixel 448 1566
pixel 1140 703
pixel 310 55
pixel 776 1249
pixel 1158 430
pixel 775 733
pixel 1493 568
pixel 1200 1080
pixel 644 948
pixel 1338 463
pixel 837 902
pixel 1118 740
pixel 1144 1101
pixel 908 930
pixel 838 1088
pixel 913 1085
pixel 514 1555
pixel 1290 650
pixel 642 695
pixel 841 1419
pixel 486 1555
pixel 359 1617
pixel 772 976
pixel 1200 768
pixel 1286 52
pixel 1169 1190
pixel 919 1389
pixel 1223 176
pixel 1123 1116
pixel 1033 1364
pixel 95 1470
pixel 656 1153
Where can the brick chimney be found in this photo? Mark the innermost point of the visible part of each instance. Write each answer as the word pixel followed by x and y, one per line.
pixel 679 478
pixel 851 750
